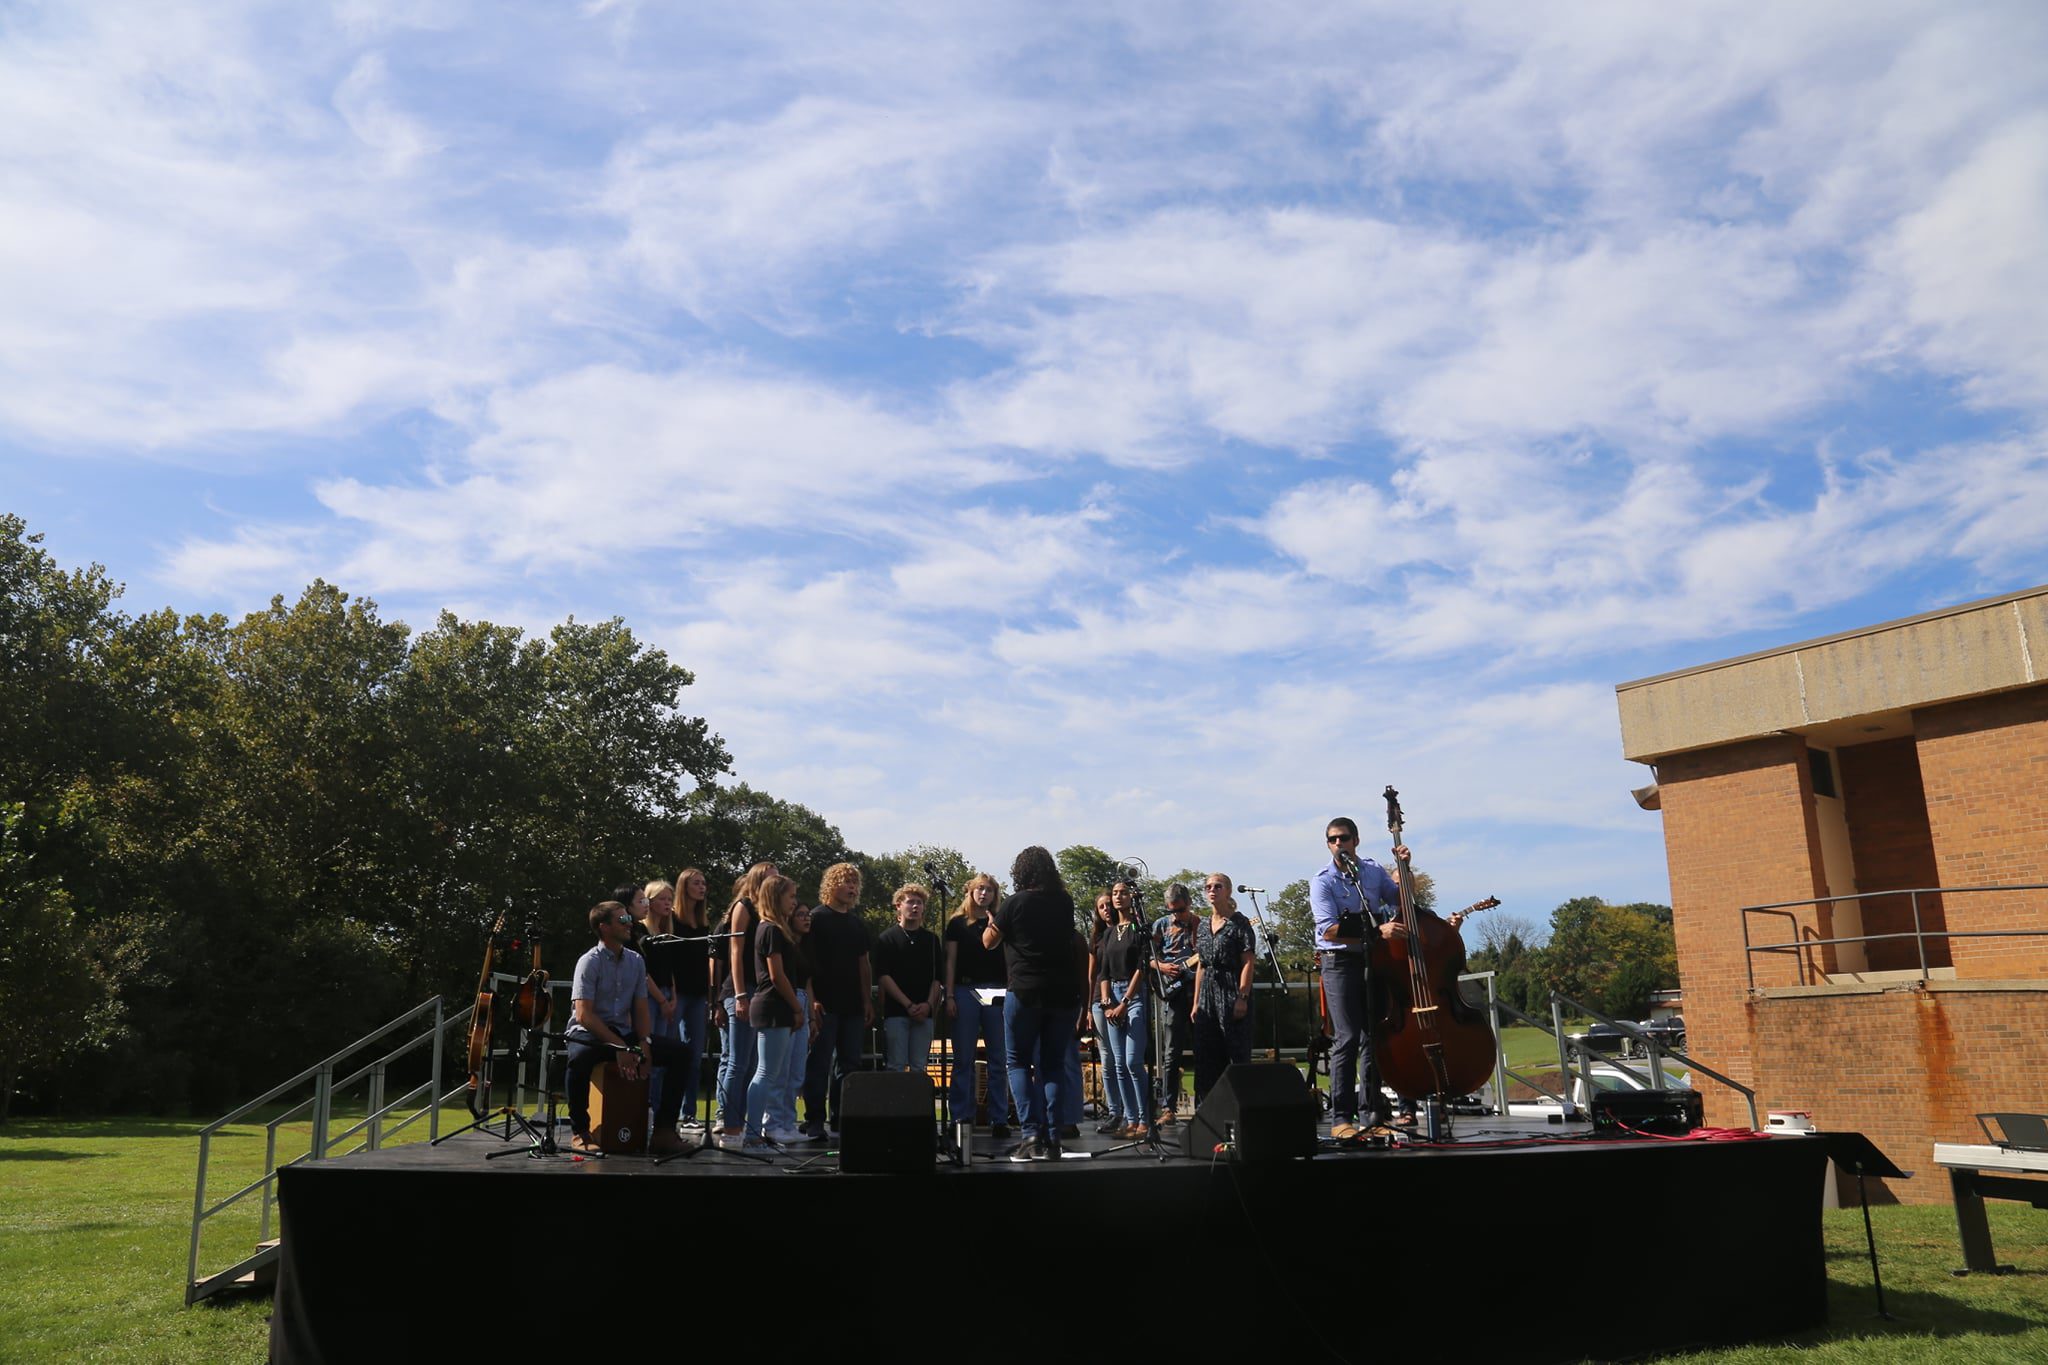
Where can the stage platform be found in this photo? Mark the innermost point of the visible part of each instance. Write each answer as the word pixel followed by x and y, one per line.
pixel 1519 1240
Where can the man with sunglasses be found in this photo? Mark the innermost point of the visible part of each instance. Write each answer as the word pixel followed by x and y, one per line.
pixel 610 1000
pixel 1351 897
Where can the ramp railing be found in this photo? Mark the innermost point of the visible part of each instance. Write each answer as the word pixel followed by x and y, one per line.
pixel 329 1081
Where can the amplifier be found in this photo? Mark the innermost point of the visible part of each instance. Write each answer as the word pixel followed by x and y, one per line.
pixel 1671 1112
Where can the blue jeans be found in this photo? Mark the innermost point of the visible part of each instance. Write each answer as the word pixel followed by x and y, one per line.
pixel 735 1066
pixel 783 1115
pixel 906 1043
pixel 771 1066
pixel 1127 1076
pixel 1035 1038
pixel 688 1028
pixel 978 1021
pixel 836 1052
pixel 1112 1101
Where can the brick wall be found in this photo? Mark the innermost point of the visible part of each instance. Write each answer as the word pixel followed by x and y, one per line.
pixel 1738 830
pixel 1905 1067
pixel 1886 807
pixel 1984 764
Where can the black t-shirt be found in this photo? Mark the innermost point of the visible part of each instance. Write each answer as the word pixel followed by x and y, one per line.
pixel 747 922
pixel 974 965
pixel 837 941
pixel 1120 952
pixel 693 965
pixel 1038 948
pixel 768 1009
pixel 911 956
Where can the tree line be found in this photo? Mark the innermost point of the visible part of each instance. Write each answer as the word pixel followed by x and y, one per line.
pixel 230 847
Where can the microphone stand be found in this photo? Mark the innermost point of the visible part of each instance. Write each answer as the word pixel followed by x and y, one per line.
pixel 949 1147
pixel 708 1094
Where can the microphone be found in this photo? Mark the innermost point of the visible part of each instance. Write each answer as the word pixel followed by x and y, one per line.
pixel 1251 890
pixel 933 875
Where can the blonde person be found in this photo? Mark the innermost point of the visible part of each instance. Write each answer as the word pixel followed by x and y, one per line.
pixel 654 916
pixel 972 969
pixel 776 1007
pixel 1225 951
pixel 736 988
pixel 907 974
pixel 842 995
pixel 692 919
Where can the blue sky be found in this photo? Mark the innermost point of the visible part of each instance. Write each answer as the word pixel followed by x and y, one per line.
pixel 1153 426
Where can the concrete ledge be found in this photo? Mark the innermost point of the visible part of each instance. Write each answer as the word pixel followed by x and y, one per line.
pixel 1971 650
pixel 2021 985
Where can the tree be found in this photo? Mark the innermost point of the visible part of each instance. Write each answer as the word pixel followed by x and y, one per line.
pixel 1609 957
pixel 56 995
pixel 1088 872
pixel 888 871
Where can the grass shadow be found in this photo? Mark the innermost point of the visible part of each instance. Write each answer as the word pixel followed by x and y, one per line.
pixel 46 1154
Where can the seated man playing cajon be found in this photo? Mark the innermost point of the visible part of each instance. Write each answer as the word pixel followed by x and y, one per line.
pixel 610 996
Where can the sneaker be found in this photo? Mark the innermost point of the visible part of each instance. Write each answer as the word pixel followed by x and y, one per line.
pixel 756 1144
pixel 1030 1149
pixel 1047 1151
pixel 999 1133
pixel 785 1136
pixel 728 1137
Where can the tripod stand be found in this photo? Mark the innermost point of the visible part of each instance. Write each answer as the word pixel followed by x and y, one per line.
pixel 514 1124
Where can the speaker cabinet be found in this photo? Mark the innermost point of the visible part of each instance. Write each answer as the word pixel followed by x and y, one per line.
pixel 618 1111
pixel 886 1123
pixel 1264 1107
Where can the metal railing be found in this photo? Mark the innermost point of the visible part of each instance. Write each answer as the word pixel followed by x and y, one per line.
pixel 1657 1049
pixel 1801 948
pixel 319 1108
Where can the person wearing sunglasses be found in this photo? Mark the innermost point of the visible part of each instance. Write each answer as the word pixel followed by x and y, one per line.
pixel 610 1002
pixel 1351 897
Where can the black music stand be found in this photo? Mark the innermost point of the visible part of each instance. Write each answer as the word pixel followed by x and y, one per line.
pixel 1855 1152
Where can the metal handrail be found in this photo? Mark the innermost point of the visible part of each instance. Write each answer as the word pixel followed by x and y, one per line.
pixel 1658 1051
pixel 321 1105
pixel 1918 934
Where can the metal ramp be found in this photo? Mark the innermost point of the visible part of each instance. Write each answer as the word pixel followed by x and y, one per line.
pixel 330 1079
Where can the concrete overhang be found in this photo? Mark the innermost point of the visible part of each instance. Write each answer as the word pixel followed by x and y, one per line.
pixel 1875 675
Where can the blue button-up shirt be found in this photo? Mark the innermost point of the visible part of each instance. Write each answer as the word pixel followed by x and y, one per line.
pixel 611 982
pixel 1331 894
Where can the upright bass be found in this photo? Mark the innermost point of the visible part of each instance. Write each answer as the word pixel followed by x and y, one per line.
pixel 1427 1041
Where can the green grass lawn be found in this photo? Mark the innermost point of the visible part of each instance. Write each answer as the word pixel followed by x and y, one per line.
pixel 95 1214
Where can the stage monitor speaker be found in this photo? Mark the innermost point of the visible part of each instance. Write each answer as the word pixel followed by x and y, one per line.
pixel 886 1126
pixel 1265 1108
pixel 618 1110
pixel 1673 1113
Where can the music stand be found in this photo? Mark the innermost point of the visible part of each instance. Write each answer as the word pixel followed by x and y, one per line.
pixel 1855 1152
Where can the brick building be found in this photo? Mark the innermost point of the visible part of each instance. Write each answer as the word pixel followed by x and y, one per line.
pixel 1872 766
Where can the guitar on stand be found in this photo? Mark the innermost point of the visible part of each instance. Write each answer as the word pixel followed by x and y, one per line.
pixel 529 1006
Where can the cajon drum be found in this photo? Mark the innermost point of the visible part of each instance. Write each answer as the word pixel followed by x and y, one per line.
pixel 618 1110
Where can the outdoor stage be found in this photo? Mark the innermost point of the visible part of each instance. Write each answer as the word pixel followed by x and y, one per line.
pixel 1530 1242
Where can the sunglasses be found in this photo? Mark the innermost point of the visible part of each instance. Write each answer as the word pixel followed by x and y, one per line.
pixel 1340 838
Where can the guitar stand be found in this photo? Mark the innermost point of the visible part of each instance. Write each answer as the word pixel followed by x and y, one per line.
pixel 515 1123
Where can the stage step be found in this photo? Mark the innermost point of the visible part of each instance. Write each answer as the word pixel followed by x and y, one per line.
pixel 257 1272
